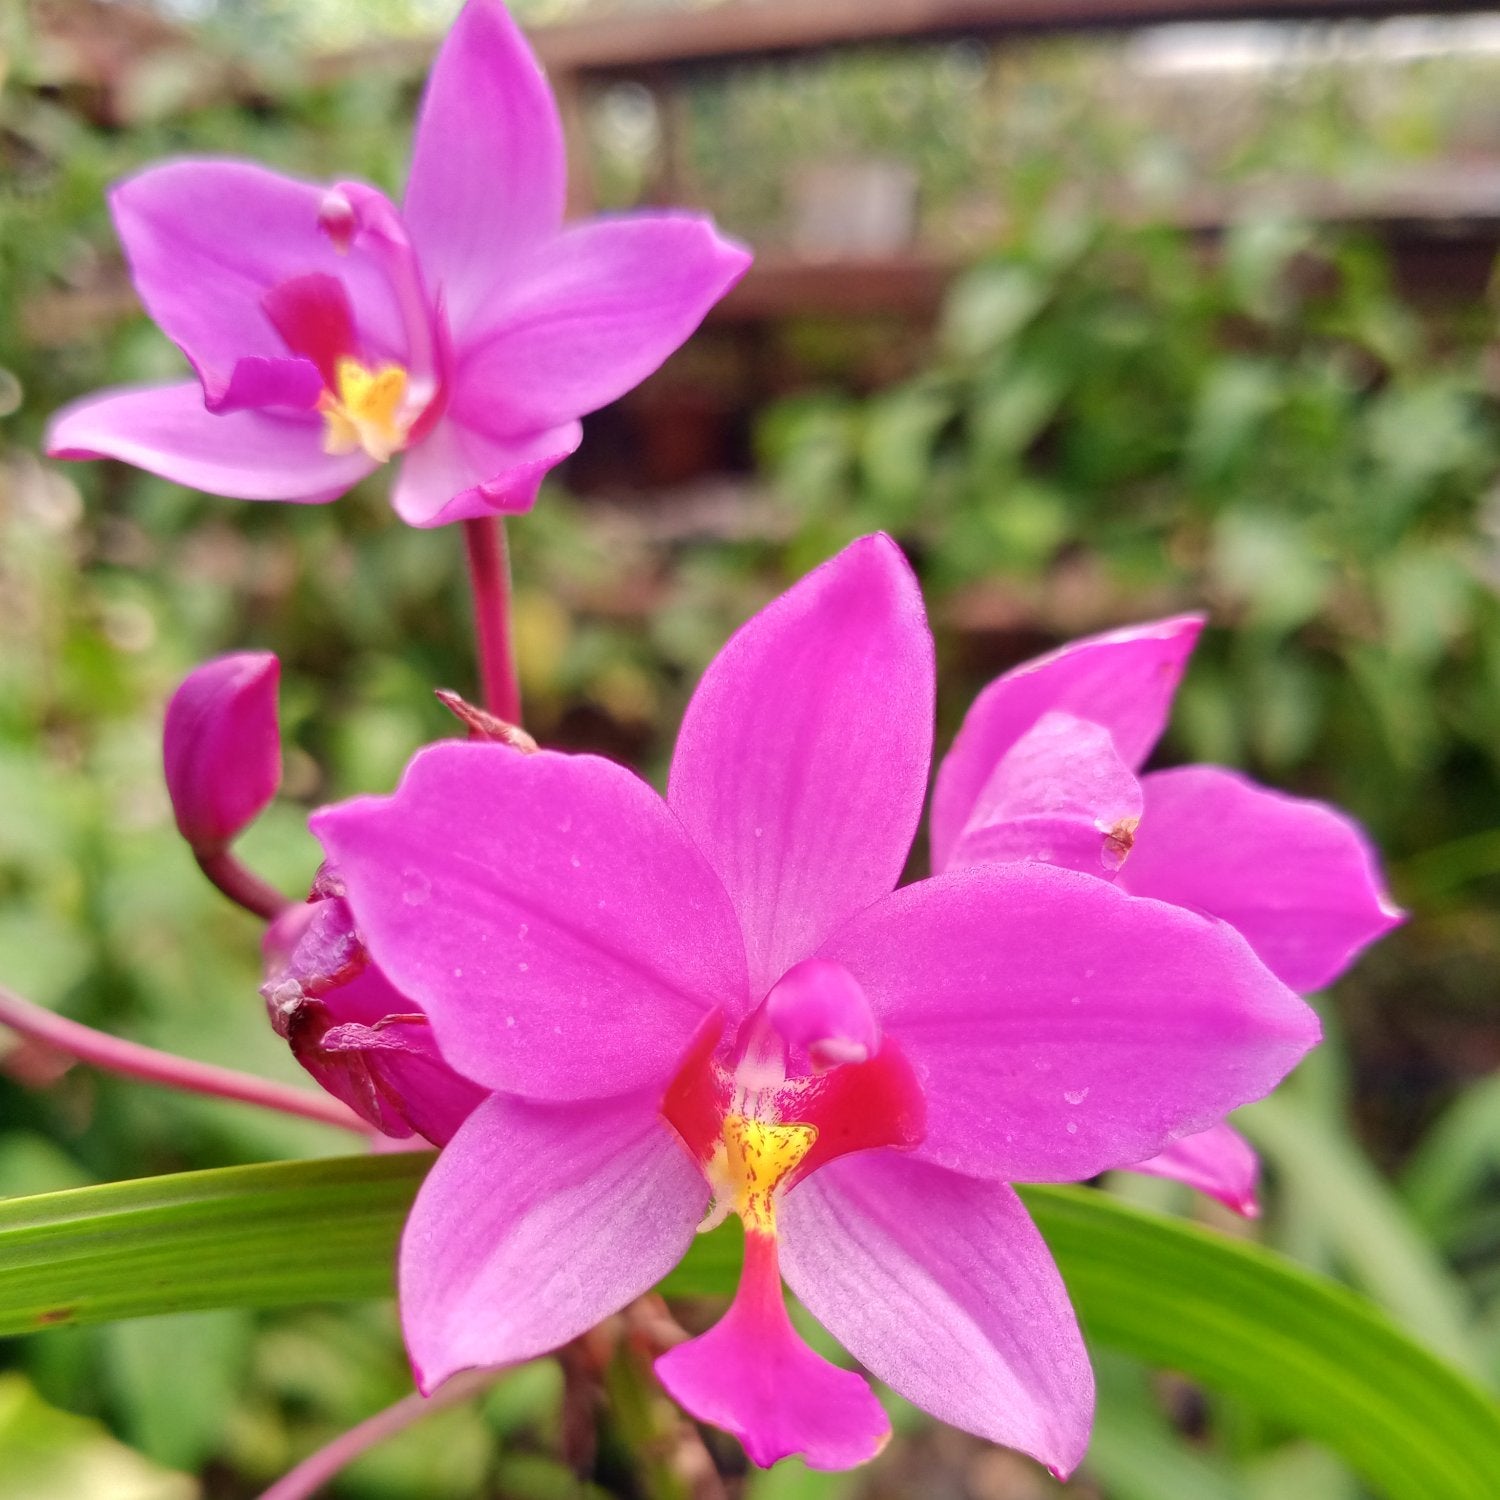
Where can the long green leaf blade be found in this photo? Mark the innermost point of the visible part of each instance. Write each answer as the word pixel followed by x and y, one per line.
pixel 1236 1317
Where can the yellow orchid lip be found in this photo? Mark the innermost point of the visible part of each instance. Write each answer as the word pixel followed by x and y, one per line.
pixel 758 1157
pixel 365 410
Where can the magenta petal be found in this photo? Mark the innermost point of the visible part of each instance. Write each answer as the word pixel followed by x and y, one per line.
pixel 1218 1161
pixel 752 1375
pixel 458 474
pixel 488 173
pixel 221 747
pixel 537 1222
pixel 207 240
pixel 941 1286
pixel 546 912
pixel 594 313
pixel 803 756
pixel 1297 878
pixel 257 383
pixel 1124 680
pixel 1060 1027
pixel 166 429
pixel 1061 795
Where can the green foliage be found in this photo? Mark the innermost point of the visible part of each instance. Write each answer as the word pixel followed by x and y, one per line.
pixel 1115 424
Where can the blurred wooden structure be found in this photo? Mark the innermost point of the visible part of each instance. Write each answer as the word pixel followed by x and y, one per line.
pixel 1444 228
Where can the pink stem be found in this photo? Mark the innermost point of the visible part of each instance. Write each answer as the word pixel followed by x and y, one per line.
pixel 315 1471
pixel 131 1060
pixel 242 886
pixel 489 573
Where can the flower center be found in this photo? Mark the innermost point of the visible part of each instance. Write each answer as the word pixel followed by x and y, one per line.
pixel 755 1158
pixel 364 410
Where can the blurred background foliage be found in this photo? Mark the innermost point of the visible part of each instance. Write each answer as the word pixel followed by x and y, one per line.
pixel 1115 415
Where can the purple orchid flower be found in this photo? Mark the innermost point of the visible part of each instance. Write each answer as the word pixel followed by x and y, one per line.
pixel 467 330
pixel 721 996
pixel 1044 768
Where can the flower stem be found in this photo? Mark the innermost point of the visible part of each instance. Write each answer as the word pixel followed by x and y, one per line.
pixel 131 1060
pixel 243 886
pixel 317 1469
pixel 489 574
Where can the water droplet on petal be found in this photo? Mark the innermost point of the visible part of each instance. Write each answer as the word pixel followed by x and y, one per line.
pixel 523 967
pixel 458 973
pixel 510 1020
pixel 1072 1127
pixel 574 861
pixel 1076 1096
pixel 416 887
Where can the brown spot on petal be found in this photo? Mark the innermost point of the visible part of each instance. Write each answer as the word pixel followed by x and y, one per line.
pixel 1119 841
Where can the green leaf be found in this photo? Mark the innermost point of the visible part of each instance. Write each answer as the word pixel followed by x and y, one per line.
pixel 1301 1349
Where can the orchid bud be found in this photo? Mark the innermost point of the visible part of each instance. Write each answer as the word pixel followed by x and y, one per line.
pixel 221 747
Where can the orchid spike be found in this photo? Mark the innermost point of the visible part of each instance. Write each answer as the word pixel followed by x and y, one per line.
pixel 330 331
pixel 1045 768
pixel 719 1003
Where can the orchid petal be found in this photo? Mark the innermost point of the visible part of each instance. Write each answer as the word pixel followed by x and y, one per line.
pixel 207 240
pixel 801 764
pixel 1061 795
pixel 546 912
pixel 1061 1027
pixel 1124 680
pixel 459 474
pixel 752 1375
pixel 596 312
pixel 488 173
pixel 537 1222
pixel 257 383
pixel 167 430
pixel 1297 878
pixel 1218 1161
pixel 940 1285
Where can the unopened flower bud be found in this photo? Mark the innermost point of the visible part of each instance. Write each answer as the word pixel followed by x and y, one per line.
pixel 221 747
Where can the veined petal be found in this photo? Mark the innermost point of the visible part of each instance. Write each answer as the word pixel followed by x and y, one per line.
pixel 1124 680
pixel 207 240
pixel 167 430
pixel 802 760
pixel 537 1222
pixel 1060 1027
pixel 1218 1161
pixel 1060 795
pixel 545 911
pixel 590 316
pixel 752 1375
pixel 487 173
pixel 1297 878
pixel 456 473
pixel 941 1286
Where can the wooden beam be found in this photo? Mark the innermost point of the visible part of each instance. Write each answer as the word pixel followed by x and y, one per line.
pixel 741 29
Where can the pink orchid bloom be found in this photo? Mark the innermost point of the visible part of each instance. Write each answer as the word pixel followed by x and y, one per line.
pixel 467 330
pixel 1044 768
pixel 722 997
